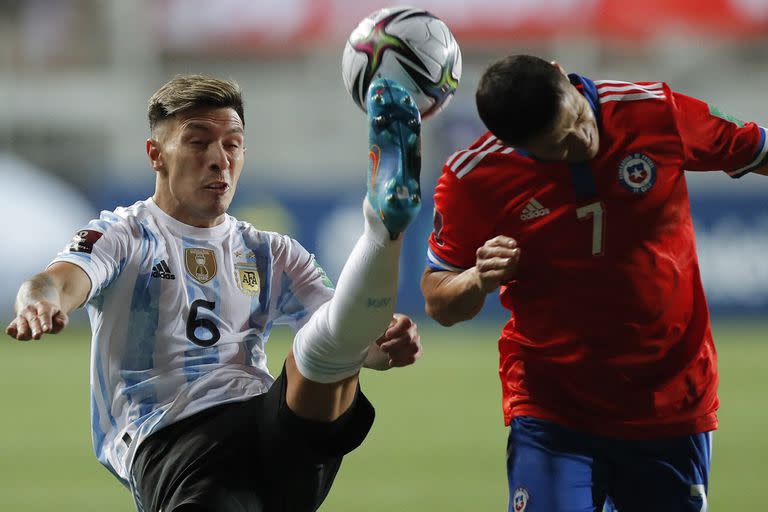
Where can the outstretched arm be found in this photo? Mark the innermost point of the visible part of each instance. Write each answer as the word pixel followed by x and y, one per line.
pixel 457 296
pixel 45 301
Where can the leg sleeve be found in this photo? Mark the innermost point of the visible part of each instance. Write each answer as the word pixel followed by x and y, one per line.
pixel 333 344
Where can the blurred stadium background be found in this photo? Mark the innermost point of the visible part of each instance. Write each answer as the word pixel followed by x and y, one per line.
pixel 74 79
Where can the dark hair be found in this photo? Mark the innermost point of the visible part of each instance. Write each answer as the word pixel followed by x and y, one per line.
pixel 519 97
pixel 186 92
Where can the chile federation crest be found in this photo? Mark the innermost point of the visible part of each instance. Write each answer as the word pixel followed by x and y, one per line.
pixel 637 173
pixel 520 499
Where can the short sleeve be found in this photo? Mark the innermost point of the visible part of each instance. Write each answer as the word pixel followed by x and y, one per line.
pixel 303 284
pixel 101 249
pixel 460 226
pixel 713 140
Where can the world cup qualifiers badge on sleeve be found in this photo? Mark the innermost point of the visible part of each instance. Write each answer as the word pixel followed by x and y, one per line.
pixel 637 173
pixel 83 241
pixel 437 221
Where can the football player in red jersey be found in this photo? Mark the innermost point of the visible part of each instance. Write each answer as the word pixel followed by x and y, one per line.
pixel 575 205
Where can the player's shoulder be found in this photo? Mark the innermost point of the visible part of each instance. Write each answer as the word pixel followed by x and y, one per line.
pixel 485 155
pixel 247 229
pixel 135 212
pixel 124 220
pixel 116 227
pixel 623 94
pixel 264 240
pixel 632 106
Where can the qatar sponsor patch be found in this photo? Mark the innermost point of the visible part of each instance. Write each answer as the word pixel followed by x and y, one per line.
pixel 83 241
pixel 637 172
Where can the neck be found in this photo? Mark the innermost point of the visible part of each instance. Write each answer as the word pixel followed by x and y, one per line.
pixel 177 211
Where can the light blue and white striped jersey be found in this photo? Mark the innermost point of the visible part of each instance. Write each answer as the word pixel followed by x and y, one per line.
pixel 180 316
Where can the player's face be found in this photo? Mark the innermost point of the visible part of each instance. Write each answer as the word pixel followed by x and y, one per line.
pixel 575 137
pixel 198 157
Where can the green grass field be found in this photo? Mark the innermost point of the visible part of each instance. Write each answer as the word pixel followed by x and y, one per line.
pixel 437 445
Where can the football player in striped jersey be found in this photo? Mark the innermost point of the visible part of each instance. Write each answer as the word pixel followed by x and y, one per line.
pixel 574 206
pixel 182 298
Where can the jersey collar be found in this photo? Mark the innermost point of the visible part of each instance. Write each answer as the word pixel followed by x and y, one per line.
pixel 589 90
pixel 182 229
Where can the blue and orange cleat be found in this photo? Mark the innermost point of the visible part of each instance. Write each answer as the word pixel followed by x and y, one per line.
pixel 394 137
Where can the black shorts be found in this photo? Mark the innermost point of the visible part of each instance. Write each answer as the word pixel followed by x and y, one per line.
pixel 251 456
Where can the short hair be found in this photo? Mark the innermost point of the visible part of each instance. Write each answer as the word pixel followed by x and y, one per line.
pixel 518 97
pixel 188 92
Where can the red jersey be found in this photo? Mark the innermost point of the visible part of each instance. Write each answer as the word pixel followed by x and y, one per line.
pixel 609 329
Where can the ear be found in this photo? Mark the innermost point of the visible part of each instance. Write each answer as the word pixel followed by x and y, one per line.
pixel 155 154
pixel 559 67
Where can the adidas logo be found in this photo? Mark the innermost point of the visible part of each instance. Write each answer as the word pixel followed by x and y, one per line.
pixel 162 271
pixel 533 210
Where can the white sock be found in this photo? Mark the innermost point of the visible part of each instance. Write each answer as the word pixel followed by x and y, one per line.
pixel 333 344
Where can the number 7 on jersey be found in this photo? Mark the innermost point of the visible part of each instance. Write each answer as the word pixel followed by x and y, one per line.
pixel 596 212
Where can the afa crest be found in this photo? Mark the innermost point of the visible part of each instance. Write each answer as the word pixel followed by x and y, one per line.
pixel 247 273
pixel 248 280
pixel 637 173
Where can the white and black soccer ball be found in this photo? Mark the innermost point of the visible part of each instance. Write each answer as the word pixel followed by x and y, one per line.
pixel 407 45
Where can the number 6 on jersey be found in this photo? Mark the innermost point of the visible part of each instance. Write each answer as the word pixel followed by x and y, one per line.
pixel 193 323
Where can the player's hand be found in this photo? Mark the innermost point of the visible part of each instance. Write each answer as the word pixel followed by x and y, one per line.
pixel 34 320
pixel 496 262
pixel 400 345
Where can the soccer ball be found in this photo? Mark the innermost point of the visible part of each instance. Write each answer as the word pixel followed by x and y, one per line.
pixel 407 45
